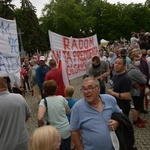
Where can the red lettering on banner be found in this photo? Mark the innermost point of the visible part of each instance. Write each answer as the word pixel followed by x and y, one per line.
pixel 85 55
pixel 91 41
pixel 75 56
pixel 66 43
pixel 67 56
pixel 56 55
pixel 74 44
pixel 79 44
pixel 86 43
pixel 75 68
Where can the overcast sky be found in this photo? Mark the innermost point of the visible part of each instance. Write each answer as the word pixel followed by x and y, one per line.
pixel 39 4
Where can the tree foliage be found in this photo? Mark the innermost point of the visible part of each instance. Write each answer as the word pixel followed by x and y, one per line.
pixel 6 9
pixel 28 23
pixel 79 18
pixel 147 3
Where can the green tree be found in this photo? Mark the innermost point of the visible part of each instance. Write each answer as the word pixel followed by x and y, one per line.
pixel 28 23
pixel 67 18
pixel 147 3
pixel 7 9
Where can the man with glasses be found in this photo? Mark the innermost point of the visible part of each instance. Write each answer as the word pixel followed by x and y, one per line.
pixel 92 116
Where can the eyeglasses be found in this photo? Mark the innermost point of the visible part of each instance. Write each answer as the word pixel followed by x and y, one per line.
pixel 89 89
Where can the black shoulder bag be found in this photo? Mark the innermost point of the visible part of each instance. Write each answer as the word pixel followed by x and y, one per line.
pixel 45 101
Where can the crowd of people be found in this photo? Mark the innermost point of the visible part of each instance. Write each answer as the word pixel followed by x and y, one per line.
pixel 115 79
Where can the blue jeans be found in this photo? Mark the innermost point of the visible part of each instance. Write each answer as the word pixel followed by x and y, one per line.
pixel 66 144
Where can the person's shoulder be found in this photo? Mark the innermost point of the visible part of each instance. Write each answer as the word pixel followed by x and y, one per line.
pixel 75 100
pixel 38 68
pixel 90 66
pixel 125 76
pixel 107 98
pixel 90 69
pixel 126 79
pixel 132 68
pixel 71 99
pixel 16 97
pixel 128 59
pixel 103 61
pixel 47 66
pixel 59 97
pixel 58 70
pixel 79 103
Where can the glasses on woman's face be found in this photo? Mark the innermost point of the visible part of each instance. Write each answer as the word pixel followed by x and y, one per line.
pixel 89 89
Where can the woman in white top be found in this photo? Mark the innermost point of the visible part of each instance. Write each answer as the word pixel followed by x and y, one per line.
pixel 56 108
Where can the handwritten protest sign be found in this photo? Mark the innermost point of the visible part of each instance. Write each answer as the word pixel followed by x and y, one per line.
pixel 9 49
pixel 73 53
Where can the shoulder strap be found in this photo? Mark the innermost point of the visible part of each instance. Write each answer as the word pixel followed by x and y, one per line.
pixel 45 101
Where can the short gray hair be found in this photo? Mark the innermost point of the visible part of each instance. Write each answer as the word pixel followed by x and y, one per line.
pixel 92 78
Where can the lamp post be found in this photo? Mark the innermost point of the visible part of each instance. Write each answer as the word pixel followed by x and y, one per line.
pixel 22 53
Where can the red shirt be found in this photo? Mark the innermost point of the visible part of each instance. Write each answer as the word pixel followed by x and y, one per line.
pixel 56 74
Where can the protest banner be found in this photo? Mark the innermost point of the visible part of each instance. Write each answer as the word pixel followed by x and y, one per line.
pixel 9 49
pixel 73 53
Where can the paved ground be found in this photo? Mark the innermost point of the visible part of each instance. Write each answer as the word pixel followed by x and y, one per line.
pixel 142 135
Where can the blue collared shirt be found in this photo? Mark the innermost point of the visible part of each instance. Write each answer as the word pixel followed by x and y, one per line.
pixel 95 132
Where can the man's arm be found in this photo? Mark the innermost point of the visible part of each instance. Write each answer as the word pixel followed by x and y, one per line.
pixel 76 139
pixel 68 110
pixel 124 95
pixel 104 75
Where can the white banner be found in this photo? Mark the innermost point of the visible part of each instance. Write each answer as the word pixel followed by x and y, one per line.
pixel 73 52
pixel 9 49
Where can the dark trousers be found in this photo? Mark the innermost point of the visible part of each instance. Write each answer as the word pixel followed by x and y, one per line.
pixel 26 81
pixel 65 144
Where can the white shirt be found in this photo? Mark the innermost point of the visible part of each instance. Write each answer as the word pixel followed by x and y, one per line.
pixel 104 58
pixel 134 41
